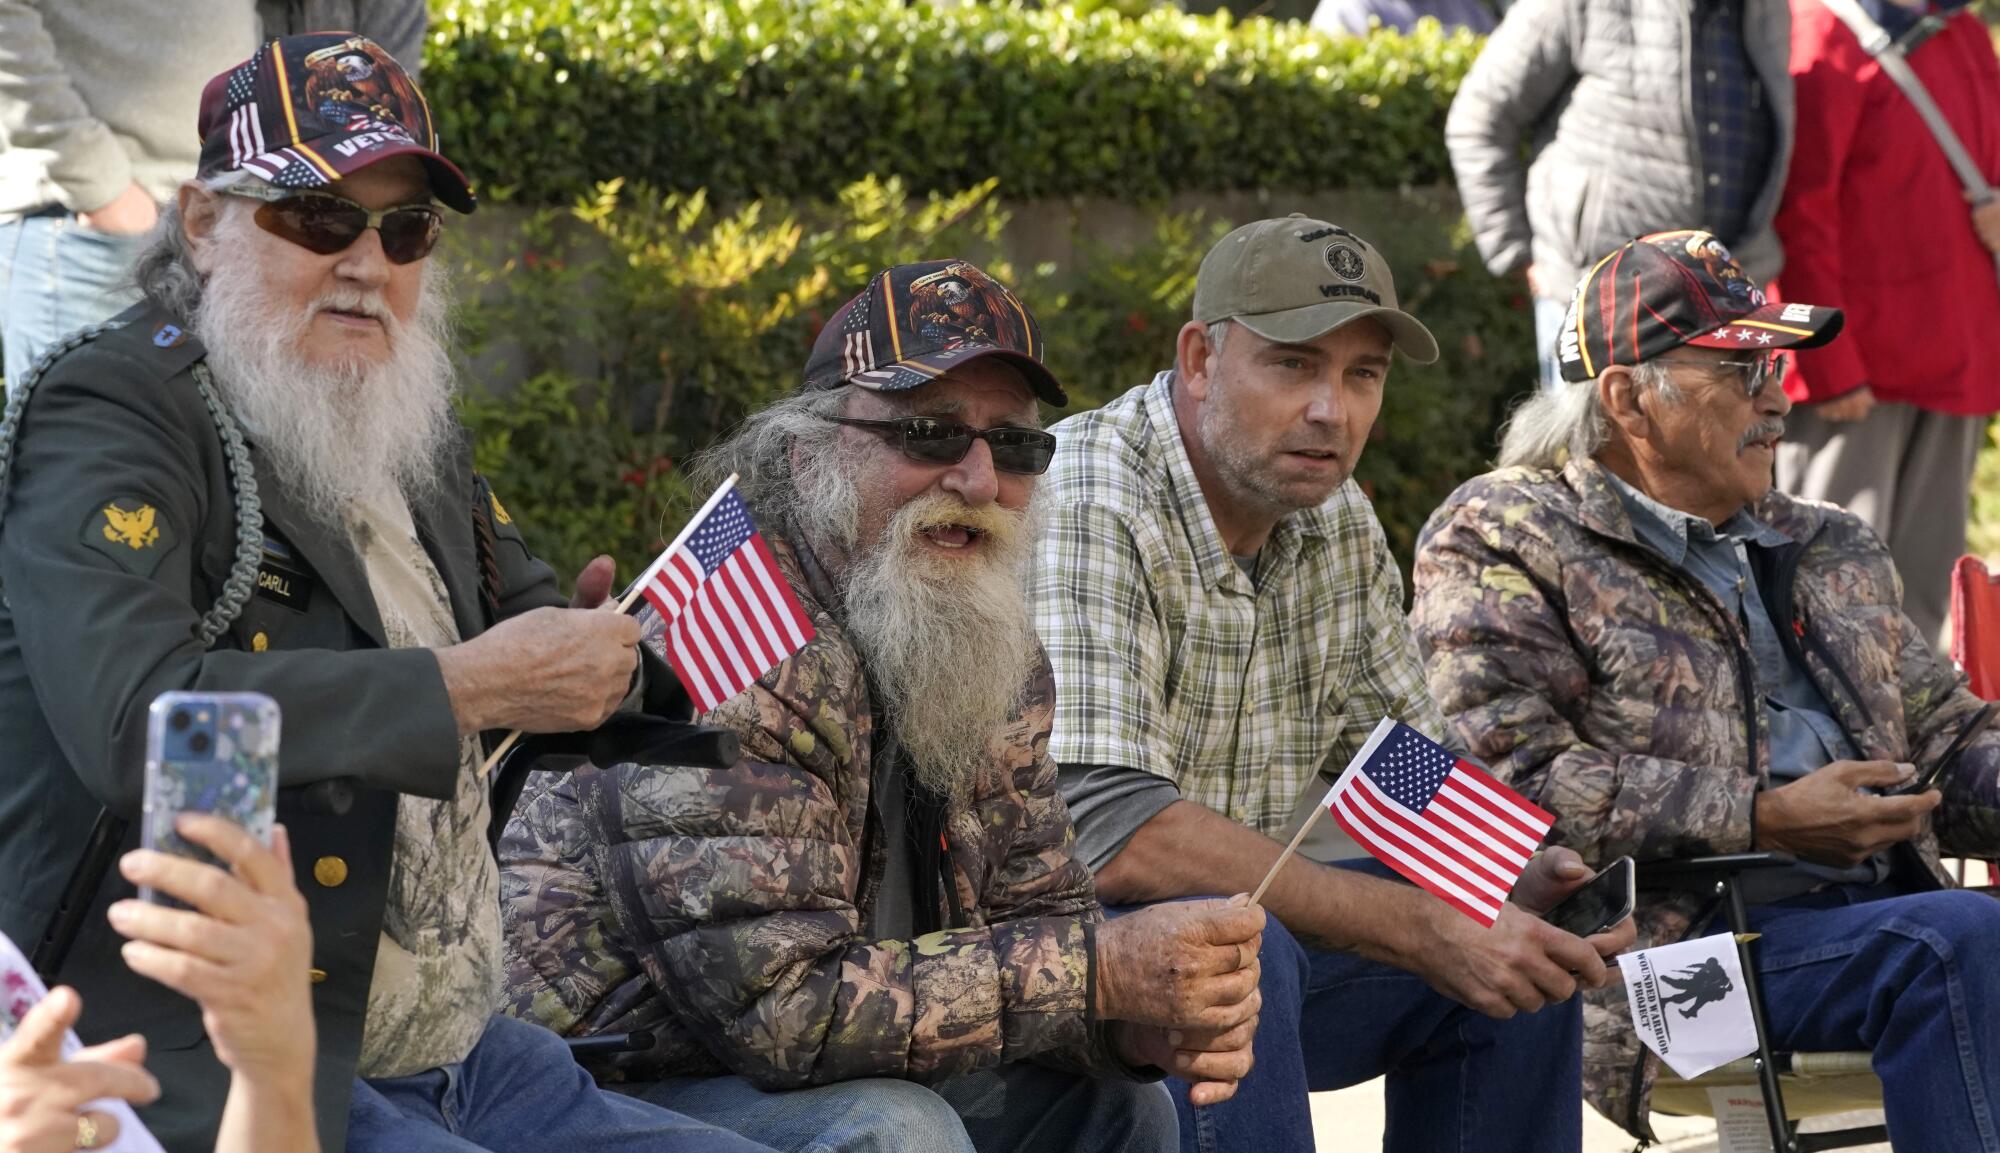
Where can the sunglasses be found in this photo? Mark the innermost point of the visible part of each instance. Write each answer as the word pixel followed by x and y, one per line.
pixel 931 440
pixel 324 223
pixel 1752 376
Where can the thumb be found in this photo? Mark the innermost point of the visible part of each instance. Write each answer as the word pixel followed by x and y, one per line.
pixel 1566 863
pixel 593 584
pixel 39 1037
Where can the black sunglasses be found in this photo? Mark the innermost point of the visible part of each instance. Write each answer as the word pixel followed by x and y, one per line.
pixel 932 440
pixel 324 223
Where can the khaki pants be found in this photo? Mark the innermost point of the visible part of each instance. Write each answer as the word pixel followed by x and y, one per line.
pixel 1905 471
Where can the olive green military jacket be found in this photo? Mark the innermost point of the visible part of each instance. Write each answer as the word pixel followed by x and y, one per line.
pixel 118 536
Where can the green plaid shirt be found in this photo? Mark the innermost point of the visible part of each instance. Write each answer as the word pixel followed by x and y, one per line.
pixel 1170 660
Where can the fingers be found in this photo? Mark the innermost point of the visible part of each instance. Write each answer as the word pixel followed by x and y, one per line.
pixel 1212 1041
pixel 192 977
pixel 1578 961
pixel 281 848
pixel 205 887
pixel 127 1050
pixel 74 1083
pixel 593 584
pixel 1230 1066
pixel 1211 1092
pixel 38 1039
pixel 1229 923
pixel 104 1128
pixel 187 932
pixel 1872 774
pixel 1233 998
pixel 254 863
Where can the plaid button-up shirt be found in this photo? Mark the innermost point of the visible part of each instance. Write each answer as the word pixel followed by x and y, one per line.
pixel 1170 660
pixel 1732 119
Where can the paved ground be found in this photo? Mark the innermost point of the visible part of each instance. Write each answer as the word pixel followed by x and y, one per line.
pixel 1350 1121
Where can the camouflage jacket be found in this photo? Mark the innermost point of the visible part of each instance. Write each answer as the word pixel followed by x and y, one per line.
pixel 723 909
pixel 1618 692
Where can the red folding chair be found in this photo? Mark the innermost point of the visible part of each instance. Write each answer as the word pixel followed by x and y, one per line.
pixel 1975 637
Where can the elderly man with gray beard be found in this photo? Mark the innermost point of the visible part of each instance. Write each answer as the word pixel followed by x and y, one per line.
pixel 252 481
pixel 871 932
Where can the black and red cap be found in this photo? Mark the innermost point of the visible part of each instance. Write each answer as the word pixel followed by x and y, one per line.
pixel 1669 289
pixel 915 322
pixel 308 110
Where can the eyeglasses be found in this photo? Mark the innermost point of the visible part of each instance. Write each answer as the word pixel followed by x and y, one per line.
pixel 928 439
pixel 324 223
pixel 1752 376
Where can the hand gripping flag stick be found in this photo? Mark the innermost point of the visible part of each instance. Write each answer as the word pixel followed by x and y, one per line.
pixel 625 603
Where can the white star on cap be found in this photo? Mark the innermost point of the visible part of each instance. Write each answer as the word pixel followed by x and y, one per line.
pixel 1763 338
pixel 1745 335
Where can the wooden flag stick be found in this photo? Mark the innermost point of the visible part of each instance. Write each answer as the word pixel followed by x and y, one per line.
pixel 1286 855
pixel 625 604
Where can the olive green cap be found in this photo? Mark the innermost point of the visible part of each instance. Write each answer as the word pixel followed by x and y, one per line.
pixel 1295 279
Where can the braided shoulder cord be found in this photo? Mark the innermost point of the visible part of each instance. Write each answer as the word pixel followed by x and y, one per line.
pixel 236 456
pixel 249 516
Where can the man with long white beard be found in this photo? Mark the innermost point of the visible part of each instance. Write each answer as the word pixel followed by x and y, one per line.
pixel 870 933
pixel 252 481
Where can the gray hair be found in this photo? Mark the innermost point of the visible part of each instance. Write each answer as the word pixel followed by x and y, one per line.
pixel 1558 425
pixel 165 273
pixel 776 452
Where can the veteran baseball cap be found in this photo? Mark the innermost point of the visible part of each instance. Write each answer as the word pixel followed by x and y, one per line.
pixel 915 322
pixel 1295 279
pixel 1668 289
pixel 308 110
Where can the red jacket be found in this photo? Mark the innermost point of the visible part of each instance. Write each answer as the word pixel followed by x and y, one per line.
pixel 1873 220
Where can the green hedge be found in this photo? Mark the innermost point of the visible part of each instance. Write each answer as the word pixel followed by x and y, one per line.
pixel 646 324
pixel 798 98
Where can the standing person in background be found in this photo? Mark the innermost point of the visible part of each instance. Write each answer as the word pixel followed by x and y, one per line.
pixel 397 25
pixel 1889 421
pixel 1640 115
pixel 94 112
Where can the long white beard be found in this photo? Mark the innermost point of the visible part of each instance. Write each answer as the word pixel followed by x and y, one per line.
pixel 949 644
pixel 336 434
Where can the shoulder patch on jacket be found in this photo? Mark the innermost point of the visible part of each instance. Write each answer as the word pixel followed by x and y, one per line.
pixel 130 532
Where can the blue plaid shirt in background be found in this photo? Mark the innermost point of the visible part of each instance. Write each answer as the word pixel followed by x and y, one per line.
pixel 1732 119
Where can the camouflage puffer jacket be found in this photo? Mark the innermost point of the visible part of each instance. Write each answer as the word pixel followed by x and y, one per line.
pixel 723 909
pixel 1618 693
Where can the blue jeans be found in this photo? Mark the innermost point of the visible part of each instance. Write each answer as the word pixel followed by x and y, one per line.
pixel 518 1090
pixel 1458 1082
pixel 57 276
pixel 1017 1108
pixel 1915 979
pixel 1548 327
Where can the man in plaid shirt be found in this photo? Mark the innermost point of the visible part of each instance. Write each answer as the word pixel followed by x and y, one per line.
pixel 1225 621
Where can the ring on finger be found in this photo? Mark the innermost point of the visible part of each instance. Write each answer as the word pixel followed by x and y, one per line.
pixel 86 1133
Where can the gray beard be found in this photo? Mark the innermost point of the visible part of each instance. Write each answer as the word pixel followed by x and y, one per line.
pixel 340 434
pixel 949 645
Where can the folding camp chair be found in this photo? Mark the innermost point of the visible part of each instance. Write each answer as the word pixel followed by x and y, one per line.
pixel 1793 1085
pixel 1975 640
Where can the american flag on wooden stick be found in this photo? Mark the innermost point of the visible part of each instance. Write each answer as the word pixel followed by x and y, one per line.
pixel 1437 819
pixel 730 615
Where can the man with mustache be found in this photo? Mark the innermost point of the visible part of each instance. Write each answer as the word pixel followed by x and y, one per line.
pixel 871 933
pixel 1631 626
pixel 252 481
pixel 1226 625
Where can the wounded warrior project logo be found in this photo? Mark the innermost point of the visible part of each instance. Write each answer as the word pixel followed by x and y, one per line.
pixel 1688 1003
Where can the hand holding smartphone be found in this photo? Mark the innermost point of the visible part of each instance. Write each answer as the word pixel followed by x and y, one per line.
pixel 1602 902
pixel 1935 771
pixel 208 753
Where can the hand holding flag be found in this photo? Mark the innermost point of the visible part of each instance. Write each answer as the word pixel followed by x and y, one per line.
pixel 1437 819
pixel 731 616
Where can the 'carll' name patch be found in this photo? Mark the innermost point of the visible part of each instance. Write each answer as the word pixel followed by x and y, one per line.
pixel 283 584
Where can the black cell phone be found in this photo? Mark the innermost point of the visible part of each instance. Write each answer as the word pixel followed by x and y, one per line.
pixel 1606 900
pixel 1967 733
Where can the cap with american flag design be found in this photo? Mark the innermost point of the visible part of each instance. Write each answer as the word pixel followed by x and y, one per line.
pixel 1668 289
pixel 308 110
pixel 916 322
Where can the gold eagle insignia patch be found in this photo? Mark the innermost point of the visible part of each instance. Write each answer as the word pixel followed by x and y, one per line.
pixel 499 510
pixel 133 529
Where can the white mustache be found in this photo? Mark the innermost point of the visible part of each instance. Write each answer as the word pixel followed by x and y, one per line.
pixel 366 305
pixel 1772 429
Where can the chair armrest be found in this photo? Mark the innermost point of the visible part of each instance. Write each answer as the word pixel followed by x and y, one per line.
pixel 1691 872
pixel 609 1045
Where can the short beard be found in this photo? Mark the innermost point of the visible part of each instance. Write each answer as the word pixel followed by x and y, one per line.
pixel 1246 471
pixel 340 434
pixel 948 643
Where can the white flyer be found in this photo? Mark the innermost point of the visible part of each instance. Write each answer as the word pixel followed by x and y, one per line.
pixel 20 989
pixel 1689 1003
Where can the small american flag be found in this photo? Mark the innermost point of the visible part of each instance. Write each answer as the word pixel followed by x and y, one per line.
pixel 1437 819
pixel 730 614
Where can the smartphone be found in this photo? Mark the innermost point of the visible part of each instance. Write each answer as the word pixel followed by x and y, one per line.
pixel 1967 733
pixel 208 753
pixel 1604 901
